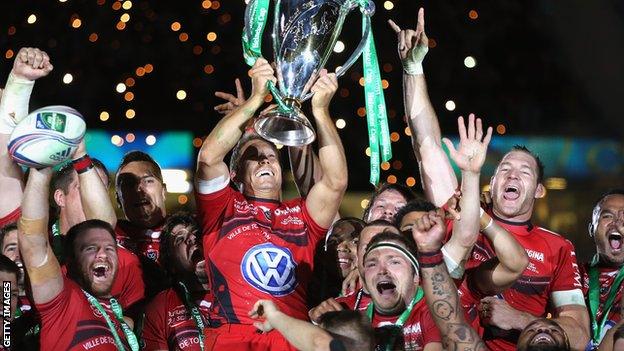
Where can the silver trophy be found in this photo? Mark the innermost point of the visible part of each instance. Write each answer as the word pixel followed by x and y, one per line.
pixel 304 35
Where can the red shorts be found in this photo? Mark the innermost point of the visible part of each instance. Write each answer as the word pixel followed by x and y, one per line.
pixel 242 337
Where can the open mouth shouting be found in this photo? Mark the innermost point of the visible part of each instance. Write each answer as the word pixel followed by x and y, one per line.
pixel 264 173
pixel 543 338
pixel 345 263
pixel 386 288
pixel 511 192
pixel 101 272
pixel 142 203
pixel 615 241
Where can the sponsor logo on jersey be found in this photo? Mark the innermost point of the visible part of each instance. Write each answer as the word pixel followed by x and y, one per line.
pixel 287 210
pixel 535 255
pixel 270 269
pixel 292 220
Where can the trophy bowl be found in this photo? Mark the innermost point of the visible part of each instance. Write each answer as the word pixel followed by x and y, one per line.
pixel 304 35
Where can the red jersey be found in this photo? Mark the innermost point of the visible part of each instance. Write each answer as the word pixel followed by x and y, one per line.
pixel 418 330
pixel 169 325
pixel 141 241
pixel 69 322
pixel 357 300
pixel 257 249
pixel 552 269
pixel 11 217
pixel 606 279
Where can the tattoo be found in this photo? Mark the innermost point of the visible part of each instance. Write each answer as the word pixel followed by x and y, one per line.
pixel 443 309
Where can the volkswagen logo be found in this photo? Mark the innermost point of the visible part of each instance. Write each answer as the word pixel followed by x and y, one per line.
pixel 270 269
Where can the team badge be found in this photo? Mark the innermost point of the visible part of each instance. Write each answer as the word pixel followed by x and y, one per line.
pixel 270 269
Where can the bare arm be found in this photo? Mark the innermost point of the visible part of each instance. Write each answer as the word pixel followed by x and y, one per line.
pixel 225 135
pixel 575 322
pixel 470 157
pixel 440 290
pixel 30 64
pixel 302 335
pixel 501 272
pixel 437 176
pixel 96 203
pixel 43 268
pixel 326 195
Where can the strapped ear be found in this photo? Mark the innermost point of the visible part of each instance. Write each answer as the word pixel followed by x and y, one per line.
pixel 118 199
pixel 540 191
pixel 59 198
pixel 590 228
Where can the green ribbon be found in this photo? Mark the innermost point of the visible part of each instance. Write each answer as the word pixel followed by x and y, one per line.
pixel 257 13
pixel 594 298
pixel 378 132
pixel 195 313
pixel 402 318
pixel 118 313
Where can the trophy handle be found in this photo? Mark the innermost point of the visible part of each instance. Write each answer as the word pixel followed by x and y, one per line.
pixel 367 8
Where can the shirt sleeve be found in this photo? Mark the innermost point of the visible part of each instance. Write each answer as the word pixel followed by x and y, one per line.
pixel 128 287
pixel 58 313
pixel 316 231
pixel 567 276
pixel 429 329
pixel 155 329
pixel 211 208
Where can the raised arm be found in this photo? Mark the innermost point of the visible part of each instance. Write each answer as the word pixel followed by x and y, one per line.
pixel 440 290
pixel 30 64
pixel 96 203
pixel 42 266
pixel 469 157
pixel 304 163
pixel 437 176
pixel 325 196
pixel 302 335
pixel 225 135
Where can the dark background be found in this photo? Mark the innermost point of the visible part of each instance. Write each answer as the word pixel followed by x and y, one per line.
pixel 544 68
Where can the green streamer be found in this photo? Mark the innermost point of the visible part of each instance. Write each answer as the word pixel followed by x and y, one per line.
pixel 378 132
pixel 258 12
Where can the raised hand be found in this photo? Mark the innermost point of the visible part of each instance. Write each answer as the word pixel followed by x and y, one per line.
pixel 499 313
pixel 428 232
pixel 232 101
pixel 263 309
pixel 324 89
pixel 328 305
pixel 470 155
pixel 31 64
pixel 413 45
pixel 261 73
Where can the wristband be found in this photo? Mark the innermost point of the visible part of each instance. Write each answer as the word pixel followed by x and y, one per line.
pixel 82 164
pixel 412 64
pixel 430 259
pixel 485 221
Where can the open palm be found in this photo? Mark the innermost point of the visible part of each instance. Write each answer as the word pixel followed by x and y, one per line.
pixel 470 155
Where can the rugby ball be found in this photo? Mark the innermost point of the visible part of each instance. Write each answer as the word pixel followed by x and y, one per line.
pixel 47 136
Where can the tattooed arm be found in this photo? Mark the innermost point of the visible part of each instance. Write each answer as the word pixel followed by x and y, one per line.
pixel 225 135
pixel 440 290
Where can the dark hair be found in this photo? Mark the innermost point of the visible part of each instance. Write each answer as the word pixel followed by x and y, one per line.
pixel 352 328
pixel 616 191
pixel 406 192
pixel 4 231
pixel 6 265
pixel 166 244
pixel 138 156
pixel 81 228
pixel 60 181
pixel 403 240
pixel 237 152
pixel 97 163
pixel 337 238
pixel 417 205
pixel 540 164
